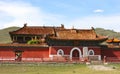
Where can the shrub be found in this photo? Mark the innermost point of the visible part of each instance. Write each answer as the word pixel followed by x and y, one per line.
pixel 33 42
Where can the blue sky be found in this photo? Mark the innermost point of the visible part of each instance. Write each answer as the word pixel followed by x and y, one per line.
pixel 78 13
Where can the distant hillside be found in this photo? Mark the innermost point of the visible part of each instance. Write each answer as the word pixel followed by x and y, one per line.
pixel 4 34
pixel 5 38
pixel 109 33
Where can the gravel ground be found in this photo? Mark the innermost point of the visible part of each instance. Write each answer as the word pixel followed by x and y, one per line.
pixel 100 67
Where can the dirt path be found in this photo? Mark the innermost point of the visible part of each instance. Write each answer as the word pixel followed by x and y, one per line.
pixel 100 67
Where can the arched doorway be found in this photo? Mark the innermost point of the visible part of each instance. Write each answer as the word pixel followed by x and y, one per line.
pixel 75 53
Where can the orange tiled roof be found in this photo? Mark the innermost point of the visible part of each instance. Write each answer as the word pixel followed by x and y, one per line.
pixel 75 34
pixel 113 40
pixel 35 30
pixel 61 33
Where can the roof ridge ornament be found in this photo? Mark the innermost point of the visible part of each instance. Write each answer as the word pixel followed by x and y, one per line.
pixel 93 28
pixel 62 25
pixel 25 24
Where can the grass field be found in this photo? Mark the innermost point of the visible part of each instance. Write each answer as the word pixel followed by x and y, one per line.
pixel 52 69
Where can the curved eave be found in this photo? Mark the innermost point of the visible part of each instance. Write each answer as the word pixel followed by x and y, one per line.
pixel 32 34
pixel 23 45
pixel 14 32
pixel 113 41
pixel 96 39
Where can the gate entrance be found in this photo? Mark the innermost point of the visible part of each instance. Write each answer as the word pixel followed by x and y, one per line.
pixel 18 55
pixel 75 55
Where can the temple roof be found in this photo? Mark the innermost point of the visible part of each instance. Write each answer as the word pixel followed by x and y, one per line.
pixel 60 33
pixel 78 34
pixel 115 40
pixel 35 30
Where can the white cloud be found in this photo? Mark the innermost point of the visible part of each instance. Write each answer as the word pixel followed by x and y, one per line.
pixel 16 13
pixel 108 22
pixel 98 11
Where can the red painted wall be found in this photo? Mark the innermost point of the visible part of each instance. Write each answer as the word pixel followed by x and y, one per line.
pixel 6 53
pixel 110 52
pixel 97 50
pixel 39 52
pixel 67 49
pixel 35 52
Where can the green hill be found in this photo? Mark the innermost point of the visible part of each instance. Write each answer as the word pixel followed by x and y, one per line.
pixel 4 34
pixel 109 33
pixel 5 38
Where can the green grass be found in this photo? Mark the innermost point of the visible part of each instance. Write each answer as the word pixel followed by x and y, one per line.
pixel 51 69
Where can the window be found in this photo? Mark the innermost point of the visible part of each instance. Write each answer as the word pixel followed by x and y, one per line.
pixel 60 52
pixel 27 38
pixel 20 39
pixel 91 52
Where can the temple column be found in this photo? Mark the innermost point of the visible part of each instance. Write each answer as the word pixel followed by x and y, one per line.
pixel 24 38
pixel 14 38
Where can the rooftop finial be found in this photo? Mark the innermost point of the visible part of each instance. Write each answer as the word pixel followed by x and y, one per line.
pixel 92 28
pixel 25 24
pixel 62 25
